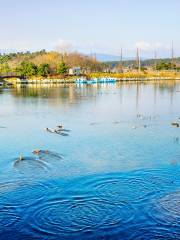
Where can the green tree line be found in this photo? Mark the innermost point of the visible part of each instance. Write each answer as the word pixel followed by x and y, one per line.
pixel 42 63
pixel 29 69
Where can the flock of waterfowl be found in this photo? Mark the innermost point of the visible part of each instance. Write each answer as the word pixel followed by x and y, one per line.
pixel 57 130
pixel 139 116
pixel 60 130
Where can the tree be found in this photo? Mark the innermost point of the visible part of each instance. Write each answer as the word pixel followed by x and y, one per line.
pixel 4 58
pixel 27 69
pixel 4 68
pixel 44 70
pixel 165 66
pixel 62 68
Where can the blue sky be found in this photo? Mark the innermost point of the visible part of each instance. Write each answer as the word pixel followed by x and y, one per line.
pixel 101 26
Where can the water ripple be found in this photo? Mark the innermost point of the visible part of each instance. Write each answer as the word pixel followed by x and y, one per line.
pixel 166 210
pixel 47 155
pixel 8 217
pixel 9 186
pixel 65 216
pixel 142 204
pixel 135 187
pixel 30 165
pixel 23 194
pixel 153 233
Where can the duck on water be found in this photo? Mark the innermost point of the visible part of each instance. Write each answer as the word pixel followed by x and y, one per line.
pixel 59 130
pixel 175 124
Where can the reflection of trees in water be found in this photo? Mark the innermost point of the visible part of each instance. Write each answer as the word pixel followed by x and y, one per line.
pixel 47 92
pixel 56 94
pixel 72 93
pixel 169 85
pixel 162 86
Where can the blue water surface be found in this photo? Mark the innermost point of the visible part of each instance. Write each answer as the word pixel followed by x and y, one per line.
pixel 114 173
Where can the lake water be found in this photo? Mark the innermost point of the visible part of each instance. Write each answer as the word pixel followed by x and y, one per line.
pixel 113 174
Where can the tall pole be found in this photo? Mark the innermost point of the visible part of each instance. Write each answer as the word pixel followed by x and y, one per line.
pixel 138 61
pixel 94 56
pixel 62 57
pixel 121 60
pixel 172 54
pixel 155 59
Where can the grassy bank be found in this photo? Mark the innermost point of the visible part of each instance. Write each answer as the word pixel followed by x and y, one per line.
pixel 166 75
pixel 139 75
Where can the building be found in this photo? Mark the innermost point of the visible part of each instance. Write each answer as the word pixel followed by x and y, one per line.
pixel 75 71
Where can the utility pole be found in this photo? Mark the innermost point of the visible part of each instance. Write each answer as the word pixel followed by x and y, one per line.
pixel 121 61
pixel 155 59
pixel 95 58
pixel 172 54
pixel 138 61
pixel 62 57
pixel 91 55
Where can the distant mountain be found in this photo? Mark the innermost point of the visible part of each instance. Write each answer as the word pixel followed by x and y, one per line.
pixel 108 57
pixel 144 62
pixel 7 51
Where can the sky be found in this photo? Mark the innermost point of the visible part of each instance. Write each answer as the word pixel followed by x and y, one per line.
pixel 91 26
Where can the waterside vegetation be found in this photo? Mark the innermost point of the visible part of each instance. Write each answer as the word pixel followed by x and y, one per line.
pixel 43 65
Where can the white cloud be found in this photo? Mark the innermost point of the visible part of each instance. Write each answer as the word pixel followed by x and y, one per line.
pixel 13 46
pixel 64 45
pixel 144 46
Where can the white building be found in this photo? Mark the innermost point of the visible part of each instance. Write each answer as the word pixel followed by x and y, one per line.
pixel 75 71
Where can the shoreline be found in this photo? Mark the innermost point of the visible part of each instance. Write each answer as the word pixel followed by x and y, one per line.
pixel 74 81
pixel 68 81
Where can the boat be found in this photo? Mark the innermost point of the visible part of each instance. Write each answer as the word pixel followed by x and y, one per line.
pixel 96 80
pixel 81 80
pixel 107 80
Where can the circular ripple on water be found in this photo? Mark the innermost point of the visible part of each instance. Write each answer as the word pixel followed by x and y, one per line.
pixel 8 217
pixel 134 186
pixel 166 210
pixel 161 177
pixel 30 166
pixel 23 193
pixel 47 155
pixel 154 233
pixel 64 216
pixel 116 189
pixel 9 186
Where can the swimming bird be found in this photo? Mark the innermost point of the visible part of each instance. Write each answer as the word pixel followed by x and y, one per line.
pixel 58 130
pixel 21 158
pixel 60 126
pixel 176 124
pixel 39 151
pixel 50 130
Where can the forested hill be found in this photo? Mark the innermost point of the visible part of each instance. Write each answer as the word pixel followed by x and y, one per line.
pixel 42 63
pixel 35 63
pixel 144 62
